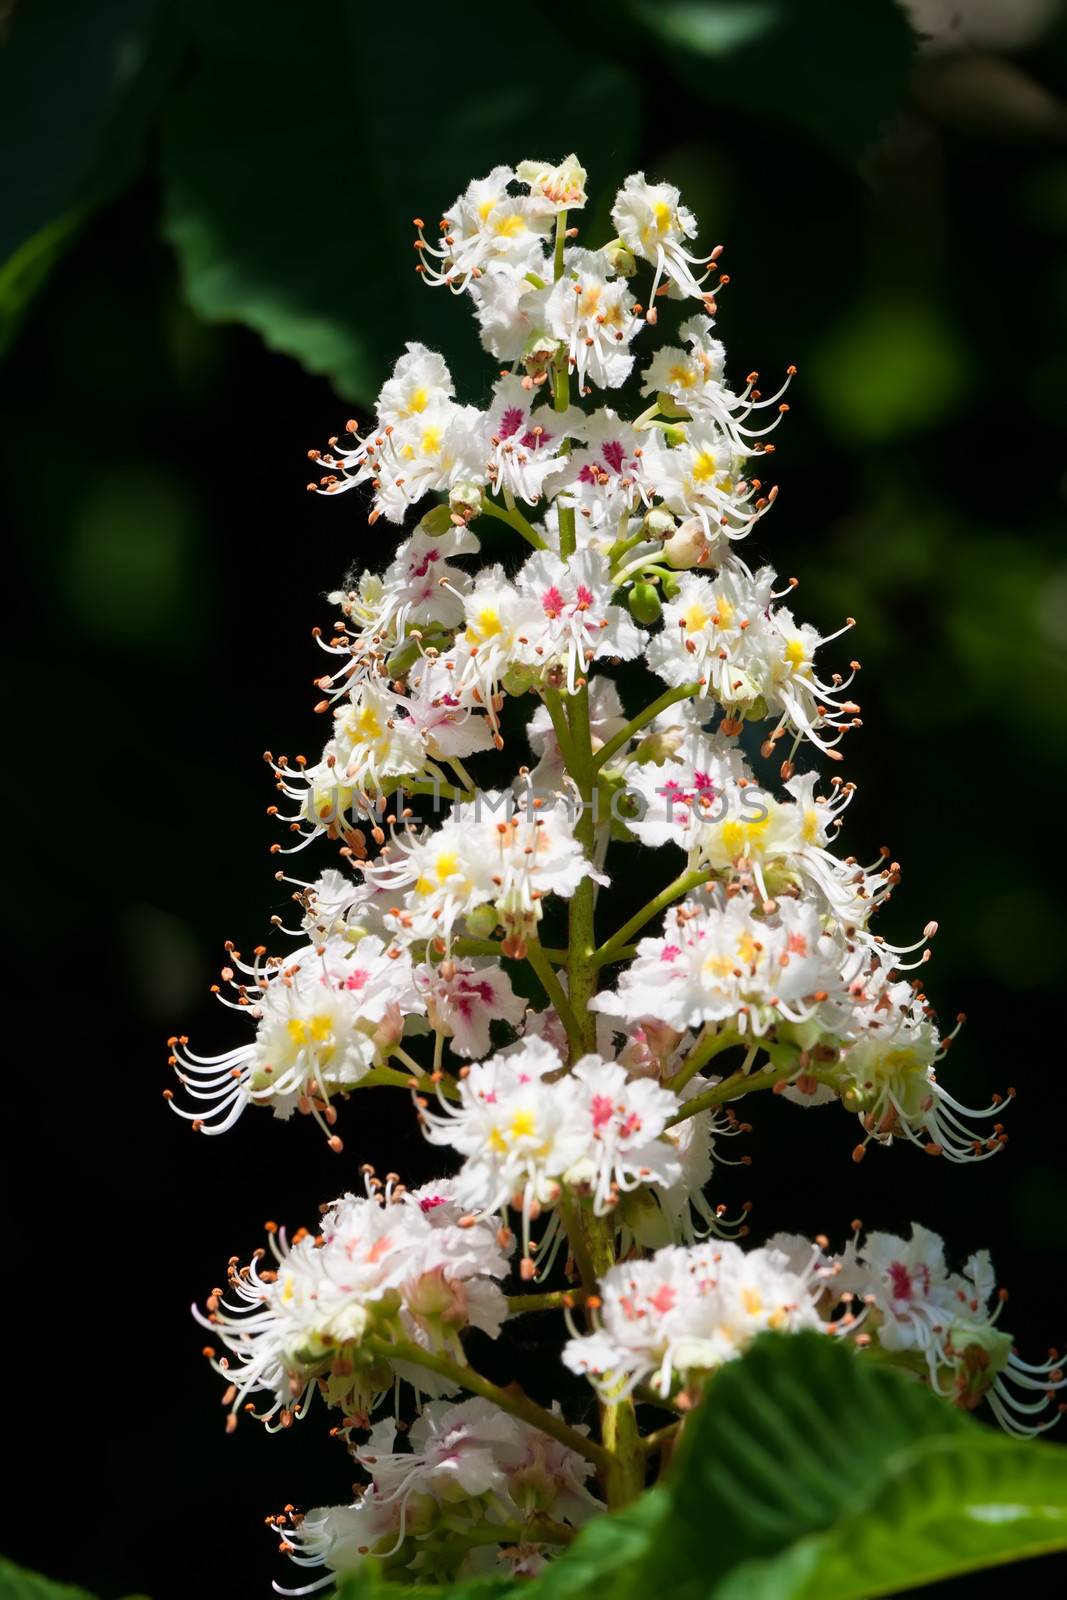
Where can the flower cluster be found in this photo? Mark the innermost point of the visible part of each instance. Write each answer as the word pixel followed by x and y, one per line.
pixel 581 1070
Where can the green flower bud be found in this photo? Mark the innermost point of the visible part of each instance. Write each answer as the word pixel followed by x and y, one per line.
pixel 403 658
pixel 482 922
pixel 645 603
pixel 519 679
pixel 620 260
pixel 670 406
pixel 669 587
pixel 438 520
pixel 656 748
pixel 539 353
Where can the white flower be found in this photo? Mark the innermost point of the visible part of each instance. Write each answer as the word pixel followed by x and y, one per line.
pixel 693 381
pixel 509 309
pixel 652 222
pixel 571 620
pixel 486 225
pixel 559 188
pixel 488 851
pixel 420 383
pixel 463 997
pixel 749 655
pixel 702 475
pixel 673 1318
pixel 719 962
pixel 523 1133
pixel 482 1468
pixel 592 314
pixel 383 1267
pixel 887 1076
pixel 698 779
pixel 942 1323
pixel 447 725
pixel 604 474
pixel 323 1019
pixel 419 589
pixel 523 442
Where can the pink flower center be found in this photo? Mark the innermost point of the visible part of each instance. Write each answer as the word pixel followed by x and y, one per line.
pixel 603 1110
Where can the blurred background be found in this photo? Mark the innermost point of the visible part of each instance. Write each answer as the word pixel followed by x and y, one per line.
pixel 208 269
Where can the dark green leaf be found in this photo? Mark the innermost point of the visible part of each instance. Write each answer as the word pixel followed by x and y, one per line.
pixel 18 1584
pixel 856 57
pixel 78 85
pixel 297 156
pixel 810 1473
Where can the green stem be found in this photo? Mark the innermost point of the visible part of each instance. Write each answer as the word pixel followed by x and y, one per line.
pixel 514 519
pixel 592 1240
pixel 670 697
pixel 732 1088
pixel 561 397
pixel 674 891
pixel 551 1300
pixel 512 1399
pixel 557 711
pixel 561 245
pixel 553 990
pixel 655 1441
pixel 490 947
pixel 581 944
pixel 709 1045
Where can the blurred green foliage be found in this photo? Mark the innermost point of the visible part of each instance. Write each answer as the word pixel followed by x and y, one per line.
pixel 205 259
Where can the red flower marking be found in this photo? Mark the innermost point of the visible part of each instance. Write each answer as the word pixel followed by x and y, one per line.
pixel 663 1299
pixel 613 454
pixel 534 440
pixel 900 1278
pixel 424 565
pixel 430 1202
pixel 670 952
pixel 552 602
pixel 583 597
pixel 603 1110
pixel 356 978
pixel 511 422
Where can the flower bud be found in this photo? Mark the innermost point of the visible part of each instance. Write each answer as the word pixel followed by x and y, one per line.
pixel 539 353
pixel 670 407
pixel 658 747
pixel 620 260
pixel 645 604
pixel 659 524
pixel 669 587
pixel 562 186
pixel 438 520
pixel 403 658
pixel 482 922
pixel 688 546
pixel 465 502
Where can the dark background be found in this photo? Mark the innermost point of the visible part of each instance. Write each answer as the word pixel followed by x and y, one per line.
pixel 167 566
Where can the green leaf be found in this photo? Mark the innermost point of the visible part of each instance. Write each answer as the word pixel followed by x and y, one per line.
pixel 810 1473
pixel 16 1583
pixel 296 157
pixel 837 68
pixel 923 370
pixel 78 86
